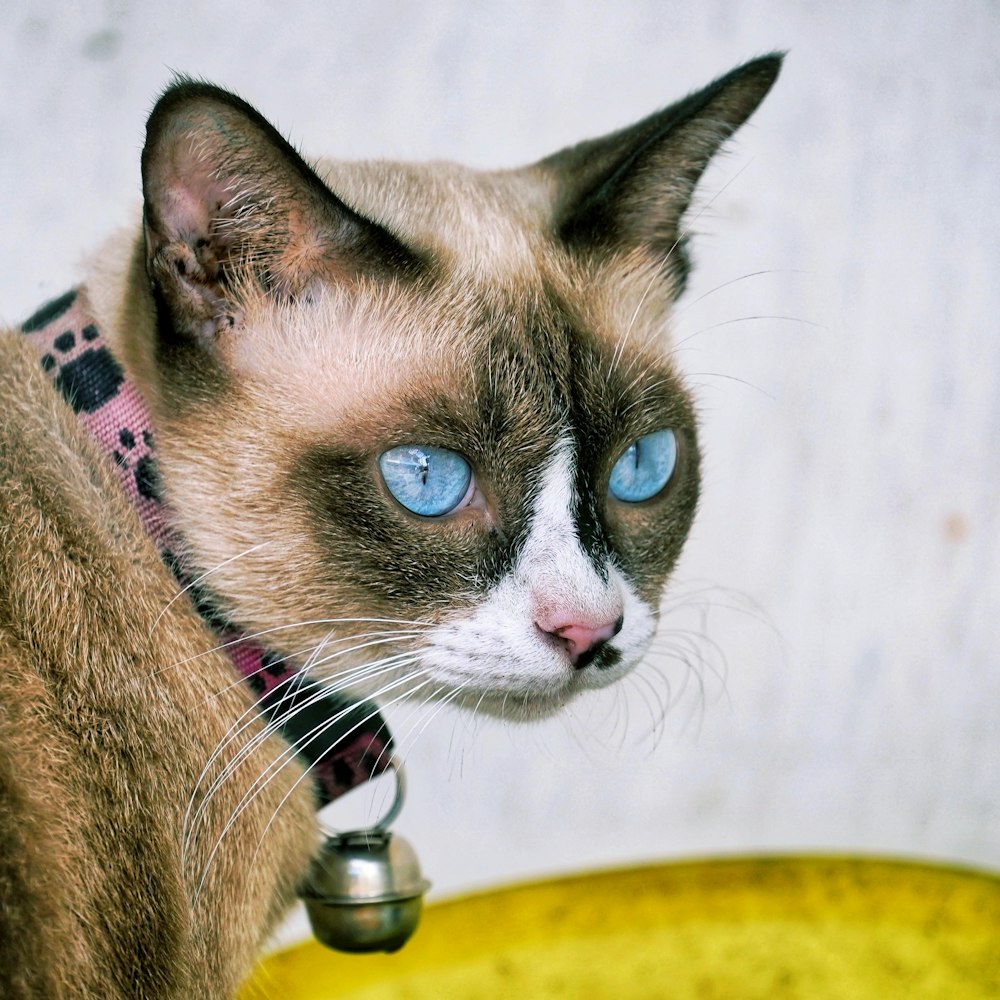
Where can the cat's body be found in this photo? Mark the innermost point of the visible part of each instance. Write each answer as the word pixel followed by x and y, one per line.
pixel 405 421
pixel 102 741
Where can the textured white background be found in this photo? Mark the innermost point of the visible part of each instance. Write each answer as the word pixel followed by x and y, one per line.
pixel 845 692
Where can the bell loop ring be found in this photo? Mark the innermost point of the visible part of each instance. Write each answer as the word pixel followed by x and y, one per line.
pixel 380 829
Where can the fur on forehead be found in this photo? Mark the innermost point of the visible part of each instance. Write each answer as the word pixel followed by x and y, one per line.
pixel 623 299
pixel 339 351
pixel 473 222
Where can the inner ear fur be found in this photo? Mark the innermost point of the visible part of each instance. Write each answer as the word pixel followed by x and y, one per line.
pixel 227 201
pixel 630 189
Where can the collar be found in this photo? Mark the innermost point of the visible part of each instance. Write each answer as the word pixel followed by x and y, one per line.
pixel 343 743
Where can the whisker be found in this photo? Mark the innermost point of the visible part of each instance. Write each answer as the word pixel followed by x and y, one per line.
pixel 685 232
pixel 292 749
pixel 272 770
pixel 367 672
pixel 690 649
pixel 625 717
pixel 683 594
pixel 734 378
pixel 386 637
pixel 258 787
pixel 657 719
pixel 427 709
pixel 251 636
pixel 620 346
pixel 303 672
pixel 692 643
pixel 416 708
pixel 439 705
pixel 688 303
pixel 345 679
pixel 572 724
pixel 204 576
pixel 748 319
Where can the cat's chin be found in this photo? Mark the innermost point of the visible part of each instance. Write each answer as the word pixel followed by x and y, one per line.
pixel 510 707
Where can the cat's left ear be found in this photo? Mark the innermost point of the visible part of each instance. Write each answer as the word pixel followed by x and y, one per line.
pixel 629 190
pixel 229 203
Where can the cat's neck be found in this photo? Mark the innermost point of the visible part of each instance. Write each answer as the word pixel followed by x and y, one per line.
pixel 345 743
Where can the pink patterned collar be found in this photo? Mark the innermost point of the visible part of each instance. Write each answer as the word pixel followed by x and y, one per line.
pixel 344 743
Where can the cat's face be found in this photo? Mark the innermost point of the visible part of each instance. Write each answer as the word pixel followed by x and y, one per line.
pixel 433 443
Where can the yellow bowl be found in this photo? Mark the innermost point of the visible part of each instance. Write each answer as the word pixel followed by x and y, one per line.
pixel 742 929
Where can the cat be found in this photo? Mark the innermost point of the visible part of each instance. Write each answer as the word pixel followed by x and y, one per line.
pixel 416 425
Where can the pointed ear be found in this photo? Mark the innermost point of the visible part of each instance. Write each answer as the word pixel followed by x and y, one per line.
pixel 229 202
pixel 630 189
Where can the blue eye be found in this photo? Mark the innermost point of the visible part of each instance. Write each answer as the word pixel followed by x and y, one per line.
pixel 645 468
pixel 426 480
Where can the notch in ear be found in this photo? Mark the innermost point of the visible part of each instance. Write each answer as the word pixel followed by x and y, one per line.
pixel 630 189
pixel 228 202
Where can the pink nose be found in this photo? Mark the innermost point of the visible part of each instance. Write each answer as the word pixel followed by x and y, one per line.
pixel 582 641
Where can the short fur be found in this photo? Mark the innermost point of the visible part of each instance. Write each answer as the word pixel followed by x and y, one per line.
pixel 287 325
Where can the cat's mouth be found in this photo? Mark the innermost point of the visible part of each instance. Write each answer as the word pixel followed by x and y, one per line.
pixel 522 696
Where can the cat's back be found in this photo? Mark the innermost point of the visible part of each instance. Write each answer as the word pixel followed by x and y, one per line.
pixel 105 726
pixel 50 491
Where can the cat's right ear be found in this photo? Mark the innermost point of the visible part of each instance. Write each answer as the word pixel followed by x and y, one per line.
pixel 629 190
pixel 227 202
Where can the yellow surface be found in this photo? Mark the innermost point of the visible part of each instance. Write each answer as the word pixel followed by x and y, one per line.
pixel 758 929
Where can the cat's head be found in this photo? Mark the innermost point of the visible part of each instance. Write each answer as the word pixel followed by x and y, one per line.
pixel 420 424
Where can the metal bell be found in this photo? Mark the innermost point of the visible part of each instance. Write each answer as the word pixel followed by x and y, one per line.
pixel 364 891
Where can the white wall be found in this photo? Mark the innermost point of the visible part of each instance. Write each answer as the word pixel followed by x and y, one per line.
pixel 845 556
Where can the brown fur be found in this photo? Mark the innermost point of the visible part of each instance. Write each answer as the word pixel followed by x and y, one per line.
pixel 104 732
pixel 285 327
